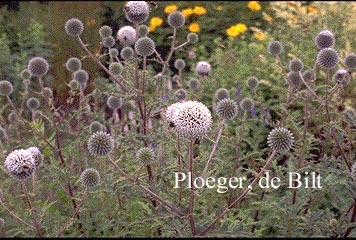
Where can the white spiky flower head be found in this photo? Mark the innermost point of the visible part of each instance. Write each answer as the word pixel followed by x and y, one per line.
pixel 126 35
pixel 37 155
pixel 20 164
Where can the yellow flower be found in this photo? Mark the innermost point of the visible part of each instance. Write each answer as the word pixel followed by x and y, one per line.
pixel 312 10
pixel 187 12
pixel 260 36
pixel 170 8
pixel 156 21
pixel 265 82
pixel 151 28
pixel 241 27
pixel 232 32
pixel 198 10
pixel 254 6
pixel 194 27
pixel 268 18
pixel 218 8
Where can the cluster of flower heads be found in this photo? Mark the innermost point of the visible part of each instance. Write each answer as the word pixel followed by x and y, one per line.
pixel 21 164
pixel 191 119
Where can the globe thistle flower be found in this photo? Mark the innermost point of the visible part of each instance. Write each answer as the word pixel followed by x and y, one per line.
pixel 108 42
pixel 252 83
pixel 95 127
pixel 47 92
pixel 32 103
pixel 144 46
pixel 90 178
pixel 325 39
pixel 221 94
pixel 247 104
pixel 203 68
pixel 309 76
pixel 192 120
pixel 105 31
pixel 6 88
pixel 74 27
pixel 296 65
pixel 180 94
pixel 280 140
pixel 126 35
pixel 137 11
pixel 100 144
pixel 20 164
pixel 38 66
pixel 113 53
pixel 171 111
pixel 25 74
pixel 192 38
pixel 179 64
pixel 73 64
pixel 350 61
pixel 294 79
pixel 3 134
pixel 114 102
pixel 36 154
pixel 275 48
pixel 342 77
pixel 143 31
pixel 115 68
pixel 81 76
pixel 12 117
pixel 145 155
pixel 176 19
pixel 74 85
pixel 193 84
pixel 127 53
pixel 227 109
pixel 328 58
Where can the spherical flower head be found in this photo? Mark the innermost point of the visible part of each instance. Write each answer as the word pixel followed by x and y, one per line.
pixel 203 68
pixel 108 42
pixel 95 127
pixel 114 102
pixel 12 117
pixel 309 76
pixel 100 144
pixel 3 134
pixel 325 39
pixel 275 48
pixel 221 94
pixel 73 64
pixel 247 104
pixel 192 120
pixel 144 46
pixel 36 154
pixel 342 77
pixel 47 92
pixel 328 58
pixel 280 140
pixel 171 111
pixel 105 31
pixel 74 27
pixel 180 94
pixel 176 19
pixel 20 164
pixel 296 65
pixel 32 103
pixel 115 68
pixel 6 88
pixel 25 74
pixel 127 53
pixel 90 178
pixel 74 85
pixel 143 31
pixel 179 64
pixel 252 83
pixel 294 79
pixel 126 35
pixel 227 109
pixel 38 66
pixel 137 11
pixel 113 53
pixel 193 84
pixel 145 155
pixel 192 38
pixel 350 61
pixel 81 76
